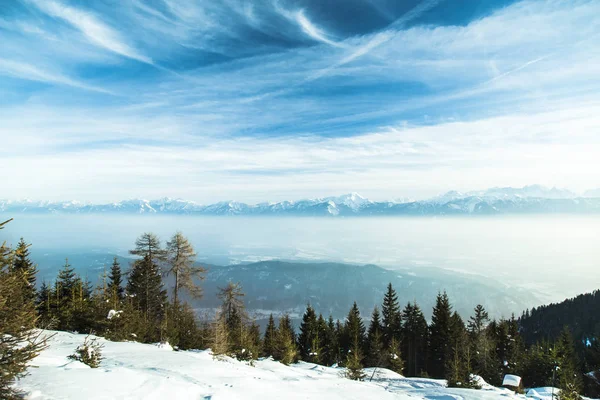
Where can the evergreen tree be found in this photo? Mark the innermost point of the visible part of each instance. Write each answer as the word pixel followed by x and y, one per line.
pixel 354 330
pixel 569 377
pixel 43 304
pixel 308 333
pixel 395 362
pixel 270 339
pixel 415 335
pixel 321 343
pixel 478 321
pixel 25 269
pixel 354 366
pixel 376 353
pixel 180 263
pixel 19 343
pixel 482 345
pixel 286 352
pixel 66 289
pixel 145 288
pixel 440 336
pixel 115 289
pixel 332 346
pixel 392 318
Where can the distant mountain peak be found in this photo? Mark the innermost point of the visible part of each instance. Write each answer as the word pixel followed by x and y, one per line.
pixel 531 199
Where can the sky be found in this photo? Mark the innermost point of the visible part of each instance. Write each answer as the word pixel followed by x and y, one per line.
pixel 256 100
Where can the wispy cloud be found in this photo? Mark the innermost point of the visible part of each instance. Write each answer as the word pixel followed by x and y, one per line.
pixel 255 96
pixel 94 30
pixel 32 73
pixel 311 30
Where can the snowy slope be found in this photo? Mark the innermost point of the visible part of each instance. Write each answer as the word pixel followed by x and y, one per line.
pixel 141 371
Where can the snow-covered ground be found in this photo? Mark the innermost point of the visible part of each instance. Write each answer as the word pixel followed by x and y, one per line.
pixel 144 371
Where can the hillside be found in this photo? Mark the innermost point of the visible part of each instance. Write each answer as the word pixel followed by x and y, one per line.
pixel 144 371
pixel 580 314
pixel 279 286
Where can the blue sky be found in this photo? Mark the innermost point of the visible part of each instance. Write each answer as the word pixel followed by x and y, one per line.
pixel 281 99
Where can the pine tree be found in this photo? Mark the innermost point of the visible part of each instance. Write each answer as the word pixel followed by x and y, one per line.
pixel 43 305
pixel 180 263
pixel 478 321
pixel 415 335
pixel 331 343
pixel 569 377
pixel 148 244
pixel 440 336
pixel 482 345
pixel 286 352
pixel 115 289
pixel 395 361
pixel 354 328
pixel 270 339
pixel 308 333
pixel 145 288
pixel 376 354
pixel 392 318
pixel 19 342
pixel 354 367
pixel 26 269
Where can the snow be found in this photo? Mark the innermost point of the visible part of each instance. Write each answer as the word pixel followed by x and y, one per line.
pixel 511 380
pixel 145 371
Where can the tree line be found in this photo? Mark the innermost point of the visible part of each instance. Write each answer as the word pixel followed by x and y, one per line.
pixel 150 303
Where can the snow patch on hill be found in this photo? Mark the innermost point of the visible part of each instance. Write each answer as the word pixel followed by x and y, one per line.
pixel 144 371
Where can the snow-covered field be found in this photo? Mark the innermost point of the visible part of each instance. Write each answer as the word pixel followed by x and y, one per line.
pixel 144 371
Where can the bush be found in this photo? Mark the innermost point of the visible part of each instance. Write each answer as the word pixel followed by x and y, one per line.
pixel 89 353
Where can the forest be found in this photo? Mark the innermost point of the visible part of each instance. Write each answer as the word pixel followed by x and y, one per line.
pixel 148 302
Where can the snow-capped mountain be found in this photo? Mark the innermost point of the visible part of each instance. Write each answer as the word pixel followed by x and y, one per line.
pixel 526 200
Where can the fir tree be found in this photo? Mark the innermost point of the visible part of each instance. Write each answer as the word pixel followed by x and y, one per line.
pixel 270 339
pixel 569 377
pixel 286 352
pixel 376 354
pixel 331 346
pixel 19 342
pixel 478 321
pixel 440 336
pixel 395 361
pixel 180 263
pixel 482 345
pixel 145 288
pixel 392 318
pixel 115 289
pixel 26 269
pixel 354 367
pixel 415 335
pixel 354 330
pixel 43 305
pixel 308 333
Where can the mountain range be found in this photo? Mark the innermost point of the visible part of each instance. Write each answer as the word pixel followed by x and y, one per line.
pixel 533 199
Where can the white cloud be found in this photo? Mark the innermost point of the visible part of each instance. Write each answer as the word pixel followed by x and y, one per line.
pixel 29 72
pixel 94 30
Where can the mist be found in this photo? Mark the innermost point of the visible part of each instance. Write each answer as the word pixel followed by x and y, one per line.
pixel 553 256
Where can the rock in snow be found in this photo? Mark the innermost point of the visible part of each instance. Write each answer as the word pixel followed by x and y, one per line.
pixel 144 371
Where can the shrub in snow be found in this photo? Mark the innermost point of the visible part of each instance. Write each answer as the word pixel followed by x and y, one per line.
pixel 113 314
pixel 89 353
